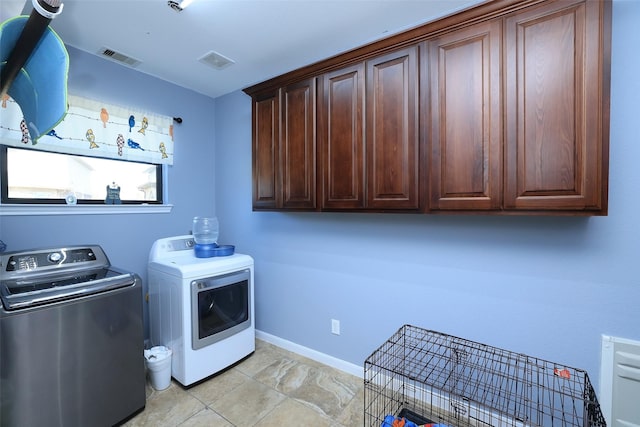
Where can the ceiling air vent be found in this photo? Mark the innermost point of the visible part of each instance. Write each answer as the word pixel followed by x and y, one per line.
pixel 215 60
pixel 119 57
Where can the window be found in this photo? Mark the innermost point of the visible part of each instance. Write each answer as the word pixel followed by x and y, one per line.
pixel 40 177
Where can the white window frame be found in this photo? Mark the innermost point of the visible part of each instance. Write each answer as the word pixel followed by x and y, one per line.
pixel 37 209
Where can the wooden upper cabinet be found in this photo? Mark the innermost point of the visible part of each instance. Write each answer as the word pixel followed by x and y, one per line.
pixel 557 107
pixel 341 138
pixel 502 108
pixel 298 145
pixel 284 147
pixel 391 136
pixel 466 118
pixel 266 118
pixel 368 135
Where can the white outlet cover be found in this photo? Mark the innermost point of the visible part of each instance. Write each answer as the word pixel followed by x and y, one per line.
pixel 335 327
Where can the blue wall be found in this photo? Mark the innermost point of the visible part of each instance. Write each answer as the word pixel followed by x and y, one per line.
pixel 548 287
pixel 127 238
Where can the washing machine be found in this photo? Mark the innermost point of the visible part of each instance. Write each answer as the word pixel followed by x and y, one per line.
pixel 201 308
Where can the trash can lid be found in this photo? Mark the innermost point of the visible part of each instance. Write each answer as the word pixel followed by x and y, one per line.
pixel 156 353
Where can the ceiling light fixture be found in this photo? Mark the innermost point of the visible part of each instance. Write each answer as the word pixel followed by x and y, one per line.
pixel 179 6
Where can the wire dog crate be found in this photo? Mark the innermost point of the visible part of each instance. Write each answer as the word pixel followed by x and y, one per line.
pixel 431 377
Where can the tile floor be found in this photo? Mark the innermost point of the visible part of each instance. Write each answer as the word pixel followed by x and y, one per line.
pixel 272 387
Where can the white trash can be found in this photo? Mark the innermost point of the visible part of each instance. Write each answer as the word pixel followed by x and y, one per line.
pixel 158 361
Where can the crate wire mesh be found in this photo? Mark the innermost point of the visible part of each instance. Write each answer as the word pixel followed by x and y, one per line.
pixel 444 379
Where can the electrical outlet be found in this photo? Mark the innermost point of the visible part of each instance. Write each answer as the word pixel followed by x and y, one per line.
pixel 335 327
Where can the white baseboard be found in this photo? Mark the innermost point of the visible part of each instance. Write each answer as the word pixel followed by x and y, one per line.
pixel 334 362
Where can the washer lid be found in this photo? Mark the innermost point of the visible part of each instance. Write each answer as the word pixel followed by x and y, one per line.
pixel 30 292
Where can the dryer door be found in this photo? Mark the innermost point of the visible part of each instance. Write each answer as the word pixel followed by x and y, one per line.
pixel 220 307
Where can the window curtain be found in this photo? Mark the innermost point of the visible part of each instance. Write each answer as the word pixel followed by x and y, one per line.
pixel 96 129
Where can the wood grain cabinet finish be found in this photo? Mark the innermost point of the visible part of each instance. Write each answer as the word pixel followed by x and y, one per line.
pixel 265 146
pixel 341 138
pixel 298 145
pixel 502 108
pixel 466 126
pixel 284 148
pixel 392 139
pixel 368 134
pixel 556 151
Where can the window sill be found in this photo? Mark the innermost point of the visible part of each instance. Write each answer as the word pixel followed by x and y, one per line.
pixel 33 210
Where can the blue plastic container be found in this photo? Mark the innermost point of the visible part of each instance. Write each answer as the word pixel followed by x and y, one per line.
pixel 212 250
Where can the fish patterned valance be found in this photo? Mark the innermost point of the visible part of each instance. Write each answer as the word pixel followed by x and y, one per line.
pixel 93 128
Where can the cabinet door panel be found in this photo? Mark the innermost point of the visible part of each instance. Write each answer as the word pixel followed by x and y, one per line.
pixel 341 138
pixel 466 127
pixel 554 145
pixel 265 152
pixel 298 145
pixel 391 130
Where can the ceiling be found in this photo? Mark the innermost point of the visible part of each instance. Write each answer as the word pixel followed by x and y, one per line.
pixel 264 38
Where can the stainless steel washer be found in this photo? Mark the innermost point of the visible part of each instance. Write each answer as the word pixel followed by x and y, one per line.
pixel 71 339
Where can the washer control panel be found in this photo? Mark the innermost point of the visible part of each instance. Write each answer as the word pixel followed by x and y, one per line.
pixel 76 257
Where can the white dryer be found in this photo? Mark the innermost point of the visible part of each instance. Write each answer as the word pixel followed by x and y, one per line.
pixel 201 308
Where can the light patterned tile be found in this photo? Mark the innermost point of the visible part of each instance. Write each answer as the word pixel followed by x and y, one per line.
pixel 353 414
pixel 247 404
pixel 292 413
pixel 328 389
pixel 263 356
pixel 218 386
pixel 285 375
pixel 206 418
pixel 272 387
pixel 167 408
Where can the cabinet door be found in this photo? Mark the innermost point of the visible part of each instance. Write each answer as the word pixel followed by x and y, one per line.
pixel 265 151
pixel 466 126
pixel 392 130
pixel 341 139
pixel 298 145
pixel 557 149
